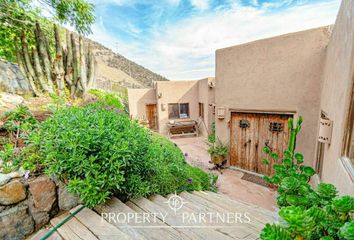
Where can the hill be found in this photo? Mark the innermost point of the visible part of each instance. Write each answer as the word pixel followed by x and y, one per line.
pixel 115 71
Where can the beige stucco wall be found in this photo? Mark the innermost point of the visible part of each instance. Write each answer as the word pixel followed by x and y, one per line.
pixel 280 74
pixel 336 92
pixel 176 92
pixel 138 99
pixel 206 95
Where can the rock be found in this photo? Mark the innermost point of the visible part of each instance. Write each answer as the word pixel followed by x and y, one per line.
pixel 66 200
pixel 15 223
pixel 12 193
pixel 5 178
pixel 43 192
pixel 9 98
pixel 41 218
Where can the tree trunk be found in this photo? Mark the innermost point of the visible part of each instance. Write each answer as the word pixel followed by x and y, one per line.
pixel 91 69
pixel 39 72
pixel 74 86
pixel 58 63
pixel 21 62
pixel 28 65
pixel 83 69
pixel 69 60
pixel 43 55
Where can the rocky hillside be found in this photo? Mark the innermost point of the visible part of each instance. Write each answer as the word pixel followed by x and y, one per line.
pixel 115 71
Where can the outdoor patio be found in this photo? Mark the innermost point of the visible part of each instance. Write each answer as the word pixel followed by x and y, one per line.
pixel 229 182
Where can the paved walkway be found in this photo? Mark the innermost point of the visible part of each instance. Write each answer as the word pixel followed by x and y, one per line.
pixel 230 182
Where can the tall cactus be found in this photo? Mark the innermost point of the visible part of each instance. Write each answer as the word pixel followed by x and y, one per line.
pixel 68 69
pixel 294 130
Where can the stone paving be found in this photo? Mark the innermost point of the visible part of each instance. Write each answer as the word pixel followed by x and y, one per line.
pixel 229 182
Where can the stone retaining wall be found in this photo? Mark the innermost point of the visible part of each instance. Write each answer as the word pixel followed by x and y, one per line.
pixel 28 205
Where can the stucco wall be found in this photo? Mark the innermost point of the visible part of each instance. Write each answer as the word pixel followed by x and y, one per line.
pixel 207 97
pixel 280 74
pixel 336 92
pixel 176 92
pixel 138 99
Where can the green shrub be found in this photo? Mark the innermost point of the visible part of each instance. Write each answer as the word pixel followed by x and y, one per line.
pixel 114 100
pixel 18 121
pixel 309 213
pixel 212 135
pixel 100 153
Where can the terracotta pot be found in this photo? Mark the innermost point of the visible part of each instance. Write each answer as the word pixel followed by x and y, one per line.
pixel 217 159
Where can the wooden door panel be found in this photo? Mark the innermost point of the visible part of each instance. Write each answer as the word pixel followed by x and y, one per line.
pixel 243 141
pixel 246 144
pixel 151 115
pixel 276 140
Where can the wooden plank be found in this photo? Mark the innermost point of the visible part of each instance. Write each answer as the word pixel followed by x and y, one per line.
pixel 41 233
pixel 97 225
pixel 115 206
pixel 147 230
pixel 72 229
pixel 235 230
pixel 225 201
pixel 196 207
pixel 175 219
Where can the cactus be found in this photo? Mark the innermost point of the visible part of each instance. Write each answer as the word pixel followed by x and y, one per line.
pixel 71 68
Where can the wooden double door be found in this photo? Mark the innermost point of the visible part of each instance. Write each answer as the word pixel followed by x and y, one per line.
pixel 250 132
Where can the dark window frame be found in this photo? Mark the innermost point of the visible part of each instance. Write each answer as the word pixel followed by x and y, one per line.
pixel 201 110
pixel 179 111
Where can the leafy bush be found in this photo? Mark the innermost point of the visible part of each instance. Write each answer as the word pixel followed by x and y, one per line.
pixel 218 149
pixel 18 121
pixel 309 213
pixel 212 135
pixel 100 153
pixel 114 100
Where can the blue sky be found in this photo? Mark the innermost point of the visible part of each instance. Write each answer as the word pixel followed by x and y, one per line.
pixel 178 38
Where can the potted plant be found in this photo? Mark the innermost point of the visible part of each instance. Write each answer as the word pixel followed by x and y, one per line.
pixel 218 152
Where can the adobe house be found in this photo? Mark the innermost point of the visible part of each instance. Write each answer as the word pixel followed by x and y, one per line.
pixel 174 101
pixel 259 86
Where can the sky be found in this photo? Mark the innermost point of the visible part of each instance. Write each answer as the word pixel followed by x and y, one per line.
pixel 178 38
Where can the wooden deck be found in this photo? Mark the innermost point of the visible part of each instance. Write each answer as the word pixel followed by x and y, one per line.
pixel 204 215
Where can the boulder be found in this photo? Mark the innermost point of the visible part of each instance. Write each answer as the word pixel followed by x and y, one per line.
pixel 40 217
pixel 11 193
pixel 10 98
pixel 5 178
pixel 43 192
pixel 15 223
pixel 66 200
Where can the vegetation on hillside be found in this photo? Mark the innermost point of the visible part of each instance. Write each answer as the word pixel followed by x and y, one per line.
pixel 307 213
pixel 99 151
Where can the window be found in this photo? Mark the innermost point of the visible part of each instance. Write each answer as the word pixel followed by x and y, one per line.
pixel 349 133
pixel 178 110
pixel 201 110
